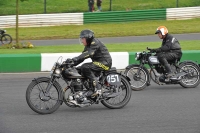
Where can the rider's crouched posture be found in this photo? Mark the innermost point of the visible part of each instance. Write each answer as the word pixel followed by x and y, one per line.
pixel 101 60
pixel 170 49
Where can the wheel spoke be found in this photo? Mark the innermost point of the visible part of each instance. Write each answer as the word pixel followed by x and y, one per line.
pixel 6 39
pixel 40 101
pixel 118 99
pixel 137 82
pixel 192 77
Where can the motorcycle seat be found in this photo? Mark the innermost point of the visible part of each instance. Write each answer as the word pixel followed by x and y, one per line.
pixel 112 69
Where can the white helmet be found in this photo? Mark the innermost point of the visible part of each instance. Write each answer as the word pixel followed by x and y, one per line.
pixel 162 29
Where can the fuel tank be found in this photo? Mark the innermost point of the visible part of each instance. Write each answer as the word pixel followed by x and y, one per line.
pixel 153 60
pixel 72 73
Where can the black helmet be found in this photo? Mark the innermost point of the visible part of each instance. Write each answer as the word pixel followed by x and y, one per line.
pixel 88 34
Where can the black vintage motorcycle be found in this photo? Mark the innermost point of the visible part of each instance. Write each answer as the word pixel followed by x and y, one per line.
pixel 186 73
pixel 5 38
pixel 44 95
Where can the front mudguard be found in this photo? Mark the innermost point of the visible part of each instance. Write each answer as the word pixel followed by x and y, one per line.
pixel 144 68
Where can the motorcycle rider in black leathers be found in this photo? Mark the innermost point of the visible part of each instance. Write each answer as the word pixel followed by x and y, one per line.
pixel 170 49
pixel 101 60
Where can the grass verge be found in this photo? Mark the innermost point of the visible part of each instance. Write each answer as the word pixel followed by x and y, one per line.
pixel 125 47
pixel 107 29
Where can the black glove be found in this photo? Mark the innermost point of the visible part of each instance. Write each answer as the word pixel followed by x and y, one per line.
pixel 75 59
pixel 69 61
pixel 152 50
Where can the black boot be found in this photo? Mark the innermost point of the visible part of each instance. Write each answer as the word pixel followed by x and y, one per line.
pixel 95 88
pixel 91 89
pixel 169 71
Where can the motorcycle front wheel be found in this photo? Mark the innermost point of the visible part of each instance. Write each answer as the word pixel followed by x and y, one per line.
pixel 138 81
pixel 6 39
pixel 39 100
pixel 122 99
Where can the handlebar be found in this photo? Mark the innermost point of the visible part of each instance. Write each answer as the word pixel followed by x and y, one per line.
pixel 149 48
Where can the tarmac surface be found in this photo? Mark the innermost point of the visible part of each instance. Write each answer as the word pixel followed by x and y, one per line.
pixel 156 109
pixel 111 40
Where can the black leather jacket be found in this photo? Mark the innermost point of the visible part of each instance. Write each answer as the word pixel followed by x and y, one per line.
pixel 97 51
pixel 170 44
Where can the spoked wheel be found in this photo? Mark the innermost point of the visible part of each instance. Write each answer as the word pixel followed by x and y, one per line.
pixel 122 97
pixel 138 81
pixel 192 79
pixel 6 39
pixel 39 100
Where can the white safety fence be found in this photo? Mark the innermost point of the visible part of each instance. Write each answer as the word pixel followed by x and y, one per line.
pixel 183 13
pixel 38 20
pixel 119 59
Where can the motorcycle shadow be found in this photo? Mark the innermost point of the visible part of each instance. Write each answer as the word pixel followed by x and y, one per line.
pixel 166 87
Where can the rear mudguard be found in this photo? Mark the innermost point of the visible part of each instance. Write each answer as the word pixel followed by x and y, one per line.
pixel 55 84
pixel 144 68
pixel 192 62
pixel 115 72
pixel 120 73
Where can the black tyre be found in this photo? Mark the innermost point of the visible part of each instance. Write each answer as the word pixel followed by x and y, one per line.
pixel 6 39
pixel 192 79
pixel 38 102
pixel 138 81
pixel 120 100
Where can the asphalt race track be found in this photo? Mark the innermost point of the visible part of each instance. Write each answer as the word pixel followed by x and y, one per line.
pixel 111 40
pixel 157 109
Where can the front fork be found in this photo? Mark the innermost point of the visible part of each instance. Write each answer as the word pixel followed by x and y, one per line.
pixel 44 93
pixel 138 73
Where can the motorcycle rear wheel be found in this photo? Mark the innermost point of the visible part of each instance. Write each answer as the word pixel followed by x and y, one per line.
pixel 121 100
pixel 186 81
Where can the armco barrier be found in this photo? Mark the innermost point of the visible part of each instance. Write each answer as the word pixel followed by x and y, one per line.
pixel 183 13
pixel 124 16
pixel 39 20
pixel 45 61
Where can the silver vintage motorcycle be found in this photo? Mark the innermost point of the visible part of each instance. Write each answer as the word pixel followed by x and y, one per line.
pixel 44 95
pixel 186 72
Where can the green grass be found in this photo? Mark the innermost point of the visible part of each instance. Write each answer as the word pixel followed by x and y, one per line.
pixel 107 29
pixel 7 7
pixel 126 47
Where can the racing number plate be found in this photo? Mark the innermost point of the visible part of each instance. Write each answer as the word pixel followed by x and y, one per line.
pixel 114 79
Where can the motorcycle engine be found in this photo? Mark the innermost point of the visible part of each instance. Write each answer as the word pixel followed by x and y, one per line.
pixel 162 78
pixel 77 98
pixel 77 85
pixel 159 69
